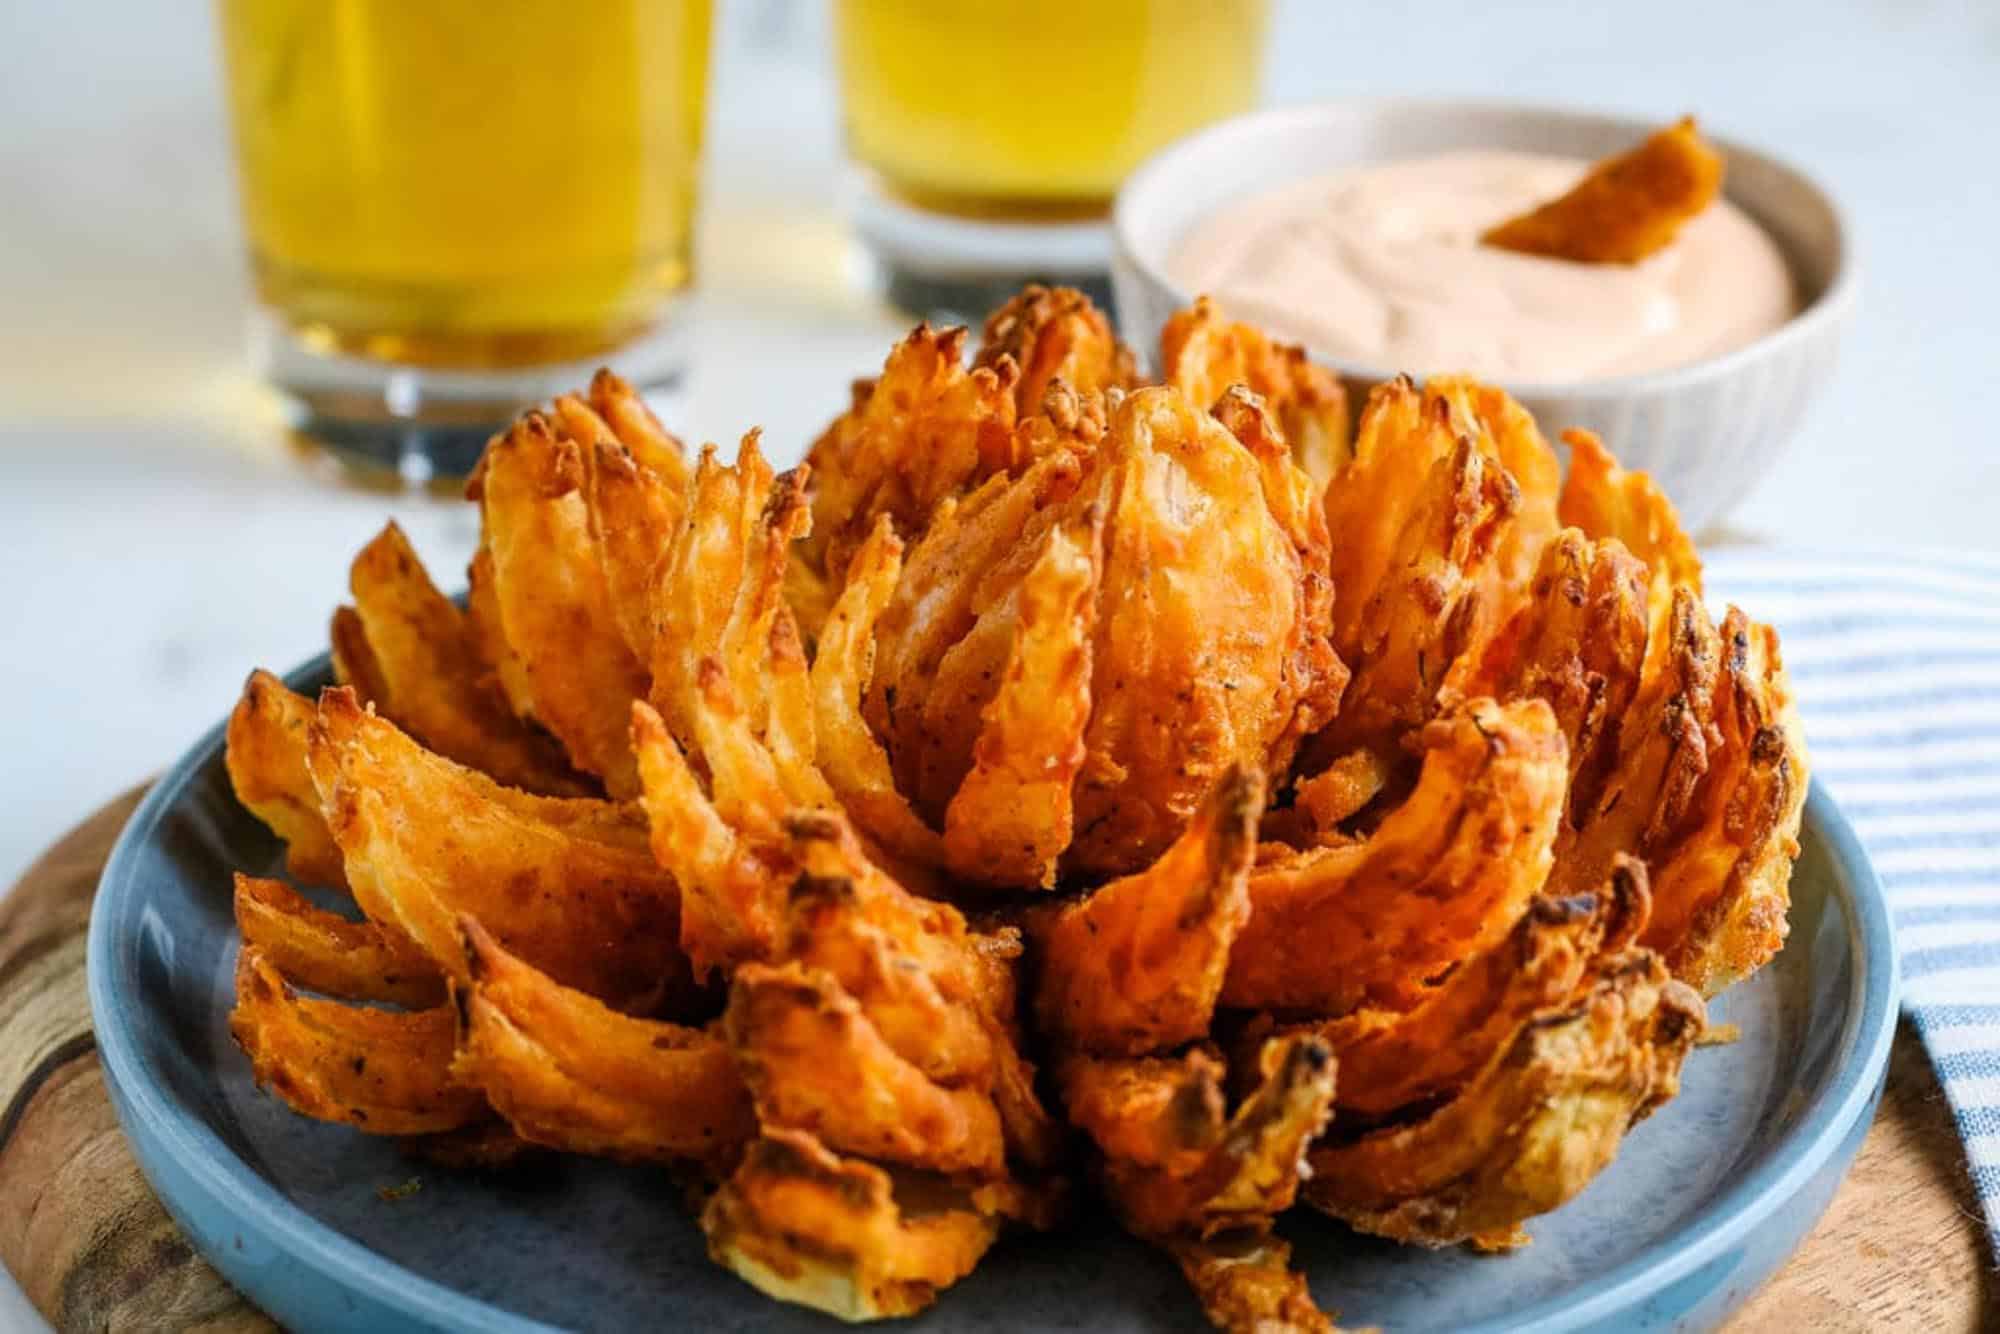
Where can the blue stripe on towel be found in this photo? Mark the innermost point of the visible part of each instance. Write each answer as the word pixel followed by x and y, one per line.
pixel 1896 661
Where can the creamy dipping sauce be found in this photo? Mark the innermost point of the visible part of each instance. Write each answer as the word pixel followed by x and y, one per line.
pixel 1382 265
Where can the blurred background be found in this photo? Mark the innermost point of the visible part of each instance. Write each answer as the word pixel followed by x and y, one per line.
pixel 164 533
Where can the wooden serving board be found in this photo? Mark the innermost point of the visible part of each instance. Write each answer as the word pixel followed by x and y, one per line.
pixel 1902 1246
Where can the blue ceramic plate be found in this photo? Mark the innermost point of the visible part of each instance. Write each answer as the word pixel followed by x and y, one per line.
pixel 1706 1199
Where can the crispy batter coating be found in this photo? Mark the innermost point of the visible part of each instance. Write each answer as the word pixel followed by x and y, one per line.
pixel 1390 1060
pixel 1709 790
pixel 1207 644
pixel 384 1071
pixel 650 444
pixel 1012 816
pixel 413 654
pixel 633 513
pixel 730 670
pixel 1426 610
pixel 853 760
pixel 333 955
pixel 1137 966
pixel 568 1072
pixel 1607 502
pixel 1326 800
pixel 554 597
pixel 1444 877
pixel 804 1225
pixel 720 604
pixel 265 754
pixel 1462 539
pixel 727 853
pixel 489 637
pixel 928 428
pixel 972 974
pixel 1543 1117
pixel 943 636
pixel 1246 1284
pixel 1203 353
pixel 1627 207
pixel 1716 775
pixel 1055 333
pixel 815 1063
pixel 1210 646
pixel 1578 643
pixel 567 883
pixel 1174 1163
pixel 1506 434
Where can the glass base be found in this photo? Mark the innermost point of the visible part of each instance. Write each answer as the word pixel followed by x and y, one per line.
pixel 950 268
pixel 424 422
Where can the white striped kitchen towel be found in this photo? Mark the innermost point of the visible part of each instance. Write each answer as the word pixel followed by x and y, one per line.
pixel 1896 661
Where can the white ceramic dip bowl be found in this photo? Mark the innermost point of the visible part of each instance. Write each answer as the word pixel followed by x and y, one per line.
pixel 1707 431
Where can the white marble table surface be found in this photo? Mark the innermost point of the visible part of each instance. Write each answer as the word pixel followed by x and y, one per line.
pixel 161 537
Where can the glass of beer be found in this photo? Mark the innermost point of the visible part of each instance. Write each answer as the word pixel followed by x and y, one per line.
pixel 456 208
pixel 992 137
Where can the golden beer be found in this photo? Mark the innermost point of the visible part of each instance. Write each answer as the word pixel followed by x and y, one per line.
pixel 1035 108
pixel 463 184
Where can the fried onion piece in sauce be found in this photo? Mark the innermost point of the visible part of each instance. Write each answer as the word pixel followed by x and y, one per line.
pixel 1627 207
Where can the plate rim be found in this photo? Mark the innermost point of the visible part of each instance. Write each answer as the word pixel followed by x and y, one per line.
pixel 161 1129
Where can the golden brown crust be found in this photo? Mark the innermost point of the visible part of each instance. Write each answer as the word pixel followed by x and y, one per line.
pixel 1203 354
pixel 554 597
pixel 1445 875
pixel 265 756
pixel 1578 642
pixel 926 429
pixel 1543 1117
pixel 1137 966
pixel 1390 1060
pixel 1055 334
pixel 567 883
pixel 1000 724
pixel 1209 644
pixel 804 1225
pixel 1173 1163
pixel 1627 207
pixel 384 1071
pixel 814 1062
pixel 335 956
pixel 568 1072
pixel 423 666
pixel 1246 1284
